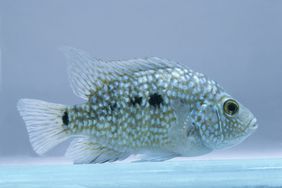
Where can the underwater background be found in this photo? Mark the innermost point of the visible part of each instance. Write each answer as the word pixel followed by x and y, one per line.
pixel 236 43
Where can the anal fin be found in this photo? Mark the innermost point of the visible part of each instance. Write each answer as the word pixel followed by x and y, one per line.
pixel 83 151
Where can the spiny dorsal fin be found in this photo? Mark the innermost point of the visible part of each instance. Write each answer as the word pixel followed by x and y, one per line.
pixel 86 73
pixel 83 150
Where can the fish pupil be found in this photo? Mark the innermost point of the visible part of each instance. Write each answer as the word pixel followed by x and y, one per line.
pixel 156 100
pixel 232 107
pixel 136 100
pixel 65 118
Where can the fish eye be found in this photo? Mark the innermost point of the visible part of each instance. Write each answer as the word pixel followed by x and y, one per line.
pixel 231 107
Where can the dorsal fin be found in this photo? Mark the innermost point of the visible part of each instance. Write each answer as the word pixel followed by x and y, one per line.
pixel 86 73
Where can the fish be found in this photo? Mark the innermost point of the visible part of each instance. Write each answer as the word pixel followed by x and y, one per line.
pixel 152 107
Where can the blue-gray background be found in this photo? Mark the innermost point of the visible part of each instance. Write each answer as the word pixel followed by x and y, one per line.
pixel 237 43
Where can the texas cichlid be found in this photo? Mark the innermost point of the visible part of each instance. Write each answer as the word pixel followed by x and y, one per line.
pixel 153 107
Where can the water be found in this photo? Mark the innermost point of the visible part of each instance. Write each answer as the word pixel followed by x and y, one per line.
pixel 201 173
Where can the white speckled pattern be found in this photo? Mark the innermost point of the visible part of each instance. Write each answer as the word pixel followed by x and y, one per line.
pixel 147 106
pixel 115 122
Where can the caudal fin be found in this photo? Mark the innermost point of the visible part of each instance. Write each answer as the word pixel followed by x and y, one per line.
pixel 44 123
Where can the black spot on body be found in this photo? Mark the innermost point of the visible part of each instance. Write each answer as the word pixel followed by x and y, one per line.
pixel 113 106
pixel 155 100
pixel 136 100
pixel 65 118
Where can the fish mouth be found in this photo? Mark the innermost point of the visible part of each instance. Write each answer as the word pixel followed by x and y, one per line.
pixel 253 124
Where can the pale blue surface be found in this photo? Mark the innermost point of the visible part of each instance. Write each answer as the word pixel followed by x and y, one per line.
pixel 228 173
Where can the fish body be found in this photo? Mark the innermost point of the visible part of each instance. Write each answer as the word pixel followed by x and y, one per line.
pixel 152 106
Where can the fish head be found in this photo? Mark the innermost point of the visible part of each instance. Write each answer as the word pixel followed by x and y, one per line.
pixel 224 123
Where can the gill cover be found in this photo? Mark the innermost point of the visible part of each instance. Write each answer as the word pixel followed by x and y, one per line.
pixel 210 125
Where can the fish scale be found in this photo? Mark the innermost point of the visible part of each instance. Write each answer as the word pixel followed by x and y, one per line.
pixel 151 124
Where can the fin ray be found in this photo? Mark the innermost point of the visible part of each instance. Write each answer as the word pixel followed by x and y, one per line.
pixel 83 150
pixel 43 122
pixel 86 73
